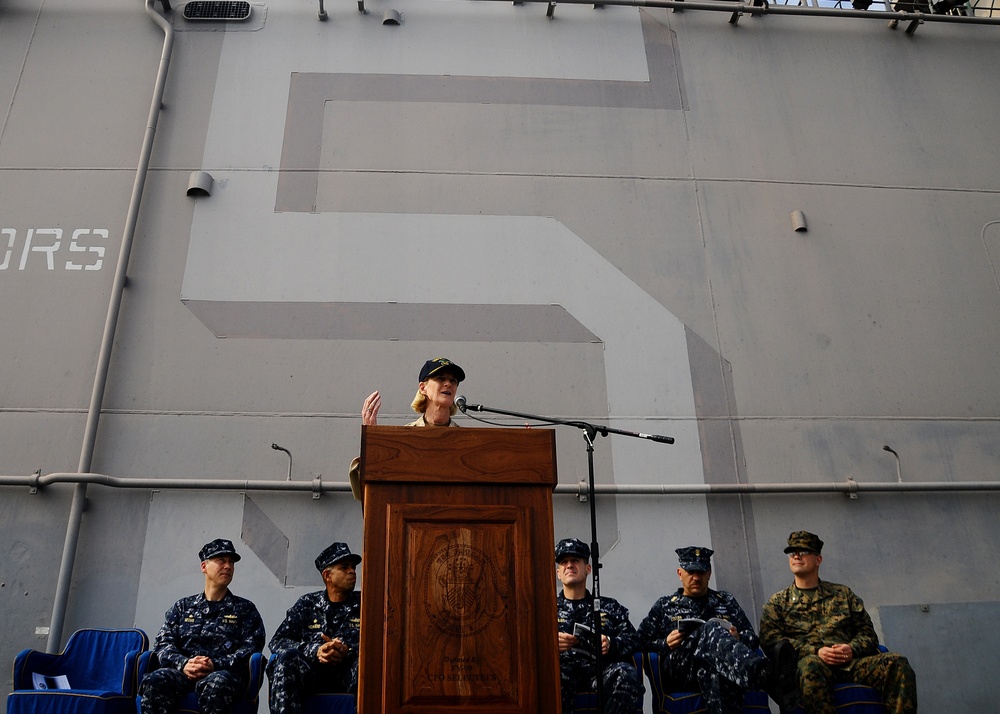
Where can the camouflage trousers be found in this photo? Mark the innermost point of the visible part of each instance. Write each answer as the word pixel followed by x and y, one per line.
pixel 292 678
pixel 163 689
pixel 890 673
pixel 720 666
pixel 622 685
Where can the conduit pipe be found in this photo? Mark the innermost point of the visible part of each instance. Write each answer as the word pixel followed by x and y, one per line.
pixel 740 8
pixel 848 487
pixel 739 489
pixel 107 343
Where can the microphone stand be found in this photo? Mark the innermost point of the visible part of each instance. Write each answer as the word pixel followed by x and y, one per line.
pixel 590 432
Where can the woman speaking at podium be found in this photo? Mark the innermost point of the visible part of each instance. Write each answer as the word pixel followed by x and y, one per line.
pixel 434 402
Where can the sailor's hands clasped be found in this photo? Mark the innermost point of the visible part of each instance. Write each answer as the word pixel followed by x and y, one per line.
pixel 332 651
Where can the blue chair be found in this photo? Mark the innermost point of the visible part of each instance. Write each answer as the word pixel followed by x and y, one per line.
pixel 101 667
pixel 854 698
pixel 667 702
pixel 246 704
pixel 586 702
pixel 331 704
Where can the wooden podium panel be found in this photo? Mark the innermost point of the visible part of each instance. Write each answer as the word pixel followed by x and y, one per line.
pixel 458 582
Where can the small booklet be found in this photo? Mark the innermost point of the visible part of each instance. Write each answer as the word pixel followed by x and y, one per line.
pixel 687 624
pixel 585 640
pixel 49 681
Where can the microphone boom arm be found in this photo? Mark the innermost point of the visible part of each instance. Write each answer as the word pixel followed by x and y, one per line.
pixel 592 429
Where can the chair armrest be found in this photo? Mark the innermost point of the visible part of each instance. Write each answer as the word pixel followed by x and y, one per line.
pixel 651 666
pixel 136 663
pixel 256 678
pixel 28 661
pixel 146 663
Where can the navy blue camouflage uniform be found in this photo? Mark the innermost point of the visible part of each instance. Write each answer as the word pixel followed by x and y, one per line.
pixel 622 685
pixel 294 671
pixel 709 658
pixel 228 631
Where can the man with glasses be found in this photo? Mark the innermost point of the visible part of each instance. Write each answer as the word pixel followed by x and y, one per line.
pixel 833 635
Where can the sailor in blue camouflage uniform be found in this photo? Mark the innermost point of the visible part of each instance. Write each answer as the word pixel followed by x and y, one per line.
pixel 205 642
pixel 720 662
pixel 315 649
pixel 622 685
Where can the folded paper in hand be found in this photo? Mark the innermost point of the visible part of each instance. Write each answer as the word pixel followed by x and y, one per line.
pixel 585 640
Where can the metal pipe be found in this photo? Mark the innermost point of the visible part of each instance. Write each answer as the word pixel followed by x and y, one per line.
pixel 740 8
pixel 36 481
pixel 156 484
pixel 737 489
pixel 107 343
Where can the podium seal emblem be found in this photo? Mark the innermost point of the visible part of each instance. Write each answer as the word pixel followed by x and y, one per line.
pixel 461 590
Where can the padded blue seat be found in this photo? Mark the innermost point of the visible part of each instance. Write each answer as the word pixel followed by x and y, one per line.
pixel 854 698
pixel 246 704
pixel 849 698
pixel 101 667
pixel 331 704
pixel 667 702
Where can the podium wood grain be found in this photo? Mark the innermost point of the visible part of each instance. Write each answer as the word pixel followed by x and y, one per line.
pixel 458 581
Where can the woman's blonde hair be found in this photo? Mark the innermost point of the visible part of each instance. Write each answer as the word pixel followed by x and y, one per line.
pixel 419 404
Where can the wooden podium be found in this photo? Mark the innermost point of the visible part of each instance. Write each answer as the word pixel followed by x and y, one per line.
pixel 458 609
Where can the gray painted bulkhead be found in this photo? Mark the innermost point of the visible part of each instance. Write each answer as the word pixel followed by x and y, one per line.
pixel 589 213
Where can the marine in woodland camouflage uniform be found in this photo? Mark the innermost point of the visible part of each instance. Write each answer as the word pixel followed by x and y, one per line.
pixel 621 683
pixel 833 636
pixel 720 663
pixel 205 642
pixel 315 649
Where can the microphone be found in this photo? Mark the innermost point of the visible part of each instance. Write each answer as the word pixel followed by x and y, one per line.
pixel 464 406
pixel 657 437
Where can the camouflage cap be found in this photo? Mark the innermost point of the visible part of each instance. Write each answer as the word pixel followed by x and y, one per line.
pixel 334 554
pixel 572 547
pixel 695 559
pixel 804 540
pixel 440 364
pixel 219 546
